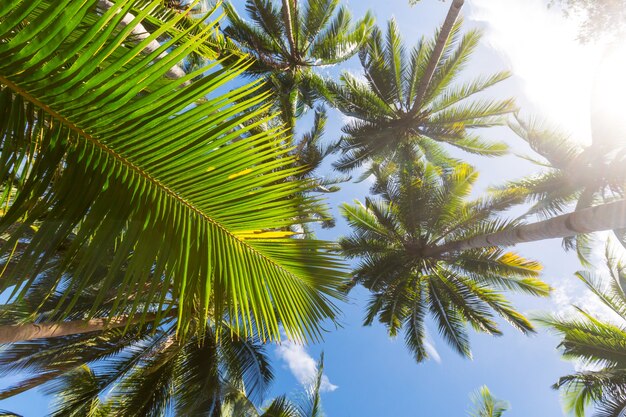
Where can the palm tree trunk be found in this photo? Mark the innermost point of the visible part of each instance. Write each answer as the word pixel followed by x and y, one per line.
pixel 594 219
pixel 140 33
pixel 29 331
pixel 444 34
pixel 289 27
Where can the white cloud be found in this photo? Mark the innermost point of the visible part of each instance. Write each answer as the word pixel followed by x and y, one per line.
pixel 431 349
pixel 302 365
pixel 540 44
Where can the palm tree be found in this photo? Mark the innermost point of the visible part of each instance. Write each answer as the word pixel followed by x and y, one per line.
pixel 394 118
pixel 139 370
pixel 609 216
pixel 572 175
pixel 419 209
pixel 599 345
pixel 486 405
pixel 308 406
pixel 97 144
pixel 290 40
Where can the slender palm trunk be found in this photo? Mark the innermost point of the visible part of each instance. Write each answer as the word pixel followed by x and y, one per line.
pixel 287 16
pixel 140 33
pixel 30 331
pixel 444 34
pixel 594 219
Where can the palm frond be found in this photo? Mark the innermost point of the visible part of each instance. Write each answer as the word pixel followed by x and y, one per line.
pixel 165 181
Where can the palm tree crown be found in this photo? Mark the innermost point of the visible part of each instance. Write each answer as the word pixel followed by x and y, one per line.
pixel 388 119
pixel 287 41
pixel 420 209
pixel 572 175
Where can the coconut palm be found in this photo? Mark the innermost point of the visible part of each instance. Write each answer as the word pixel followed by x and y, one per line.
pixel 310 405
pixel 572 176
pixel 392 119
pixel 141 373
pixel 139 370
pixel 599 345
pixel 486 405
pixel 419 209
pixel 97 144
pixel 291 39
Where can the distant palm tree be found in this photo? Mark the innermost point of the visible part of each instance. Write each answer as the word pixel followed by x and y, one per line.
pixel 289 40
pixel 599 345
pixel 309 406
pixel 393 118
pixel 486 405
pixel 420 209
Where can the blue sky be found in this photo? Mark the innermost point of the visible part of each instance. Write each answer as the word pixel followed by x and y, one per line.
pixel 369 375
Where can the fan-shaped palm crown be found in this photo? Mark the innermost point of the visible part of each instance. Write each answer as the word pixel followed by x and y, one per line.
pixel 599 345
pixel 393 236
pixel 97 144
pixel 389 121
pixel 287 41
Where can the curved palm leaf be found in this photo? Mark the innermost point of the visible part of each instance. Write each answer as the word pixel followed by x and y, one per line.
pixel 98 145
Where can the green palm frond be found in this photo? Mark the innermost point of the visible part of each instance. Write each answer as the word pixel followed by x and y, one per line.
pixel 486 405
pixel 599 345
pixel 119 157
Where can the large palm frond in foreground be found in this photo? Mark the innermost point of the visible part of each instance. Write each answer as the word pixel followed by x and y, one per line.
pixel 599 345
pixel 390 120
pixel 418 210
pixel 98 145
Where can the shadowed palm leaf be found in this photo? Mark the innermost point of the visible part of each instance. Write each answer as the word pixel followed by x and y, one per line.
pixel 141 370
pixel 309 406
pixel 599 345
pixel 394 237
pixel 388 123
pixel 98 145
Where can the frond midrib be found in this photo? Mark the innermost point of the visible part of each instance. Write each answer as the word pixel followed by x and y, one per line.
pixel 142 173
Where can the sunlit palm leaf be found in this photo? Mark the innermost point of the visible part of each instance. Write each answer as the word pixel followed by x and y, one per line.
pixel 124 159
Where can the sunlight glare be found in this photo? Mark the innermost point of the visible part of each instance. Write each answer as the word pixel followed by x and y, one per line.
pixel 608 106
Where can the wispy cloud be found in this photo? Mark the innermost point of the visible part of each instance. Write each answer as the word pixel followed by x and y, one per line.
pixel 431 349
pixel 541 47
pixel 302 365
